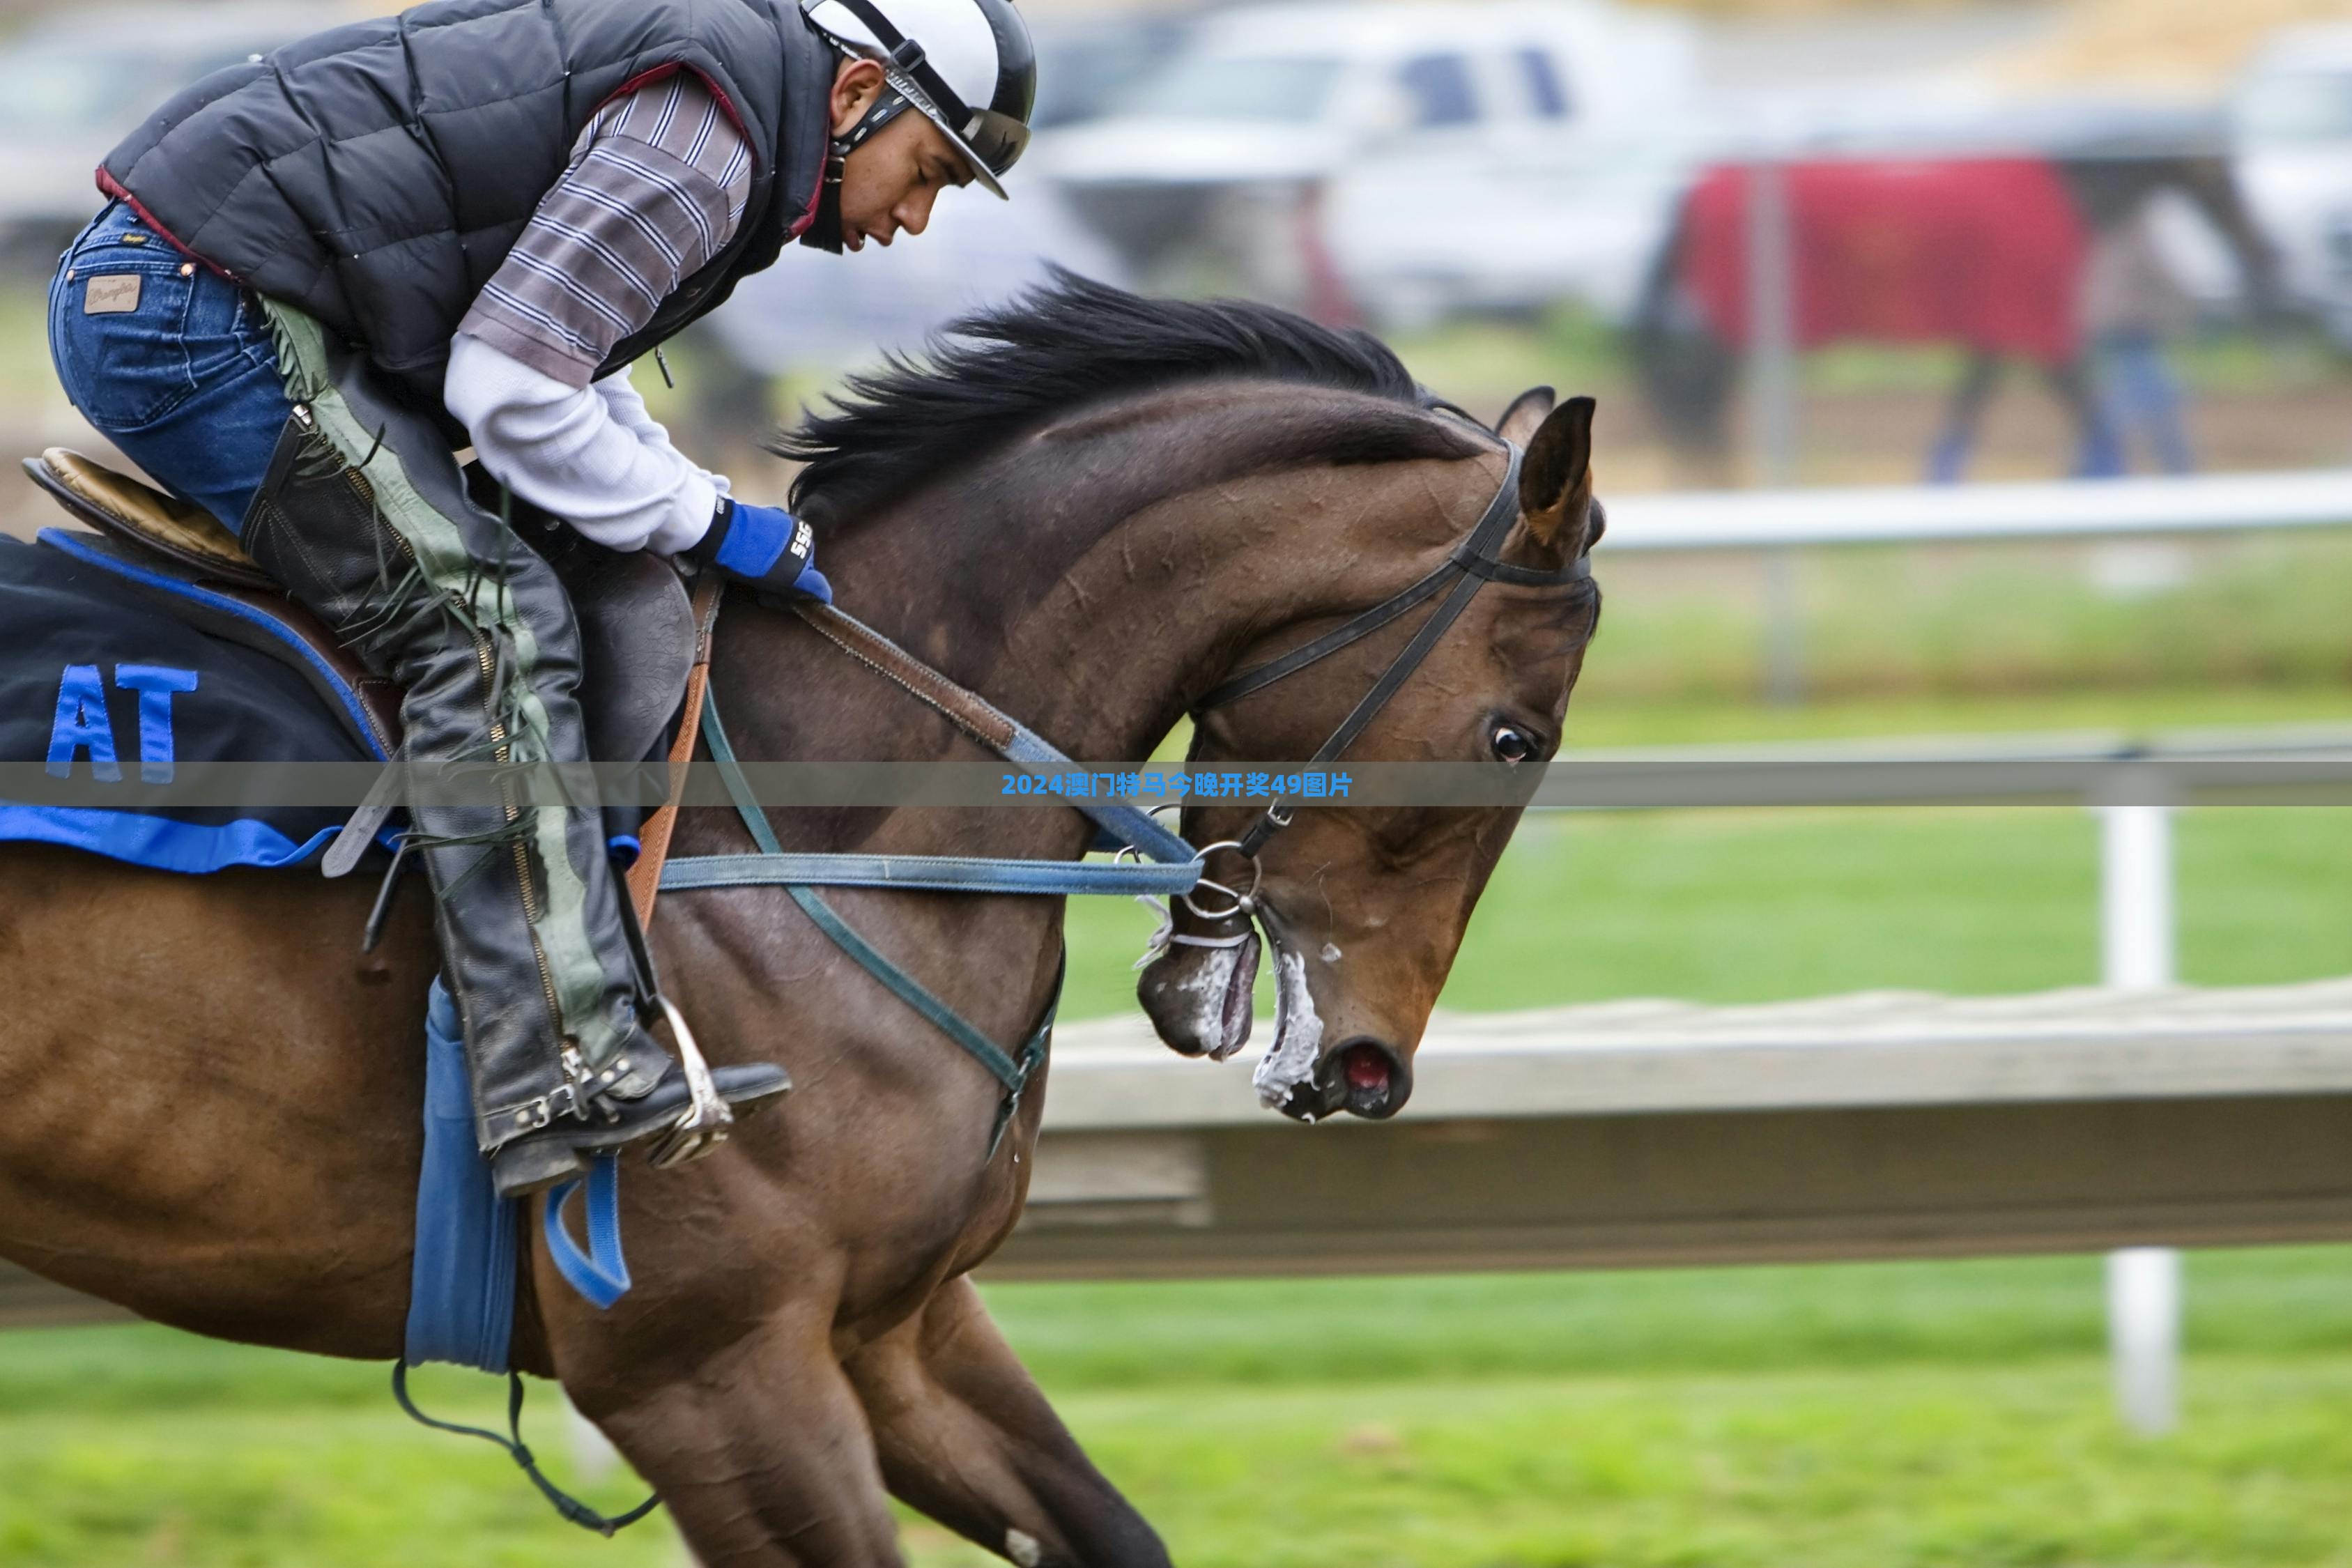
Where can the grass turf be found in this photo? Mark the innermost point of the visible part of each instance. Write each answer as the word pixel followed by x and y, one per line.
pixel 1867 1415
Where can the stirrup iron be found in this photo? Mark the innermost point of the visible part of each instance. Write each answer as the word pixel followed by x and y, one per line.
pixel 702 1126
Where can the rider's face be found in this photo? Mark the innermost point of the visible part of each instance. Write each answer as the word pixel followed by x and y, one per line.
pixel 889 182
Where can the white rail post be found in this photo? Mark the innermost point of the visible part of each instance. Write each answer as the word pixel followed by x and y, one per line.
pixel 1772 404
pixel 2144 1337
pixel 2137 942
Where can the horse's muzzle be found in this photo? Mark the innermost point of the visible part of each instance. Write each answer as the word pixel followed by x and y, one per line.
pixel 1364 1078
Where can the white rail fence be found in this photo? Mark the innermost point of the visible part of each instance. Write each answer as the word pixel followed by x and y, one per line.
pixel 2132 786
pixel 1775 523
pixel 2137 919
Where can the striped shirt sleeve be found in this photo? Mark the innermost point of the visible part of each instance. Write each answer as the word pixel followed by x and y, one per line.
pixel 656 189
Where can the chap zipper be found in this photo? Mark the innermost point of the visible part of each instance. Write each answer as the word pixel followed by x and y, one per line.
pixel 502 742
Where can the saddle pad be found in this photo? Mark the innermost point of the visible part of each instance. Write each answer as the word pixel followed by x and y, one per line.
pixel 101 684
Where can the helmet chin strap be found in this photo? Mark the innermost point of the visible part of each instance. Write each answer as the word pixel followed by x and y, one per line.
pixel 824 232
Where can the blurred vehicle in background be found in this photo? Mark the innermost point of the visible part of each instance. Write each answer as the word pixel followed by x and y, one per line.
pixel 1085 64
pixel 78 82
pixel 835 312
pixel 1371 132
pixel 1421 234
pixel 2293 125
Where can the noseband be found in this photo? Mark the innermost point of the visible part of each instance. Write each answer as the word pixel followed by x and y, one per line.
pixel 1471 566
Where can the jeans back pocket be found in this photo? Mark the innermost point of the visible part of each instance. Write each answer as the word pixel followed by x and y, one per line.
pixel 118 331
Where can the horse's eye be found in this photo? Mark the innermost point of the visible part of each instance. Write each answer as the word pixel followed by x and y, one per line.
pixel 1511 743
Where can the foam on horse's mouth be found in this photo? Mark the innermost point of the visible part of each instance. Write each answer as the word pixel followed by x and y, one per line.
pixel 1290 1061
pixel 1219 992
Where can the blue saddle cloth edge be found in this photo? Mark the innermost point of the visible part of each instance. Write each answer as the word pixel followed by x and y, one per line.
pixel 158 843
pixel 461 1286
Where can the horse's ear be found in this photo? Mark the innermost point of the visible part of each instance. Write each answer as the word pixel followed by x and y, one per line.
pixel 1527 411
pixel 1556 481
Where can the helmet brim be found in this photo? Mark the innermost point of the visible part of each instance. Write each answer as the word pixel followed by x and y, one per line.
pixel 1008 135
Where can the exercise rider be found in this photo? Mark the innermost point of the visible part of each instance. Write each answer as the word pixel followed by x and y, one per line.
pixel 321 273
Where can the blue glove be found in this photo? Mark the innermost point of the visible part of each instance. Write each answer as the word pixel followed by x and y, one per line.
pixel 765 547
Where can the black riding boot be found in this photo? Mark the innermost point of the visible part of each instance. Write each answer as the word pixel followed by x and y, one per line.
pixel 364 518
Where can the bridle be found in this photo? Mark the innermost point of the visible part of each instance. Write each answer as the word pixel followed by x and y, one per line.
pixel 1151 861
pixel 1470 567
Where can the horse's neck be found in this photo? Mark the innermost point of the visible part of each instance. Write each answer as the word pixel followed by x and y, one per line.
pixel 1049 590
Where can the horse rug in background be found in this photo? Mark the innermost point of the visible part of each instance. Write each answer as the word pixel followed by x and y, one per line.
pixel 1987 253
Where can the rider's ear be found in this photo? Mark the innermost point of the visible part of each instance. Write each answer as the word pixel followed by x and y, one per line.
pixel 855 85
pixel 1518 425
pixel 1556 481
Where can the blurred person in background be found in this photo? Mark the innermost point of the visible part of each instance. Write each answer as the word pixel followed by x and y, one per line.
pixel 2133 305
pixel 321 273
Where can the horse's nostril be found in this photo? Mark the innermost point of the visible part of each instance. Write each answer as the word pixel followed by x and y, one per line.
pixel 1367 1079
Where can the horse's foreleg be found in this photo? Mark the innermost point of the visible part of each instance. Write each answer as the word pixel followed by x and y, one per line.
pixel 966 1437
pixel 761 1452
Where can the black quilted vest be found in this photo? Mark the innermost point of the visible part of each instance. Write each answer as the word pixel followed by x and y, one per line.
pixel 376 176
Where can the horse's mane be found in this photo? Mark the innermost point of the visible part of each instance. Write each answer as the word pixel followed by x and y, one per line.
pixel 1069 344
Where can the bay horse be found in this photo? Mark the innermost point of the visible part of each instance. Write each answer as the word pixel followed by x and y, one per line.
pixel 1092 509
pixel 1987 254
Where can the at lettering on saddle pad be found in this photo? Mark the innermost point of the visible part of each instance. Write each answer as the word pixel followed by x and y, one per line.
pixel 102 688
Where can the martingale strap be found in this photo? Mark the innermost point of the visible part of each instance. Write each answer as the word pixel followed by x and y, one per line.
pixel 800 875
pixel 570 1508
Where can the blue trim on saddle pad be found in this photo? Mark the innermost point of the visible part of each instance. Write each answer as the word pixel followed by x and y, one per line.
pixel 159 843
pixel 98 659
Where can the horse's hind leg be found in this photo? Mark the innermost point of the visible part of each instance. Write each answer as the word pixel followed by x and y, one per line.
pixel 966 1437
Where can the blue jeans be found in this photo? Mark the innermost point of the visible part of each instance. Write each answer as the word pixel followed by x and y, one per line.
pixel 2142 398
pixel 185 380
